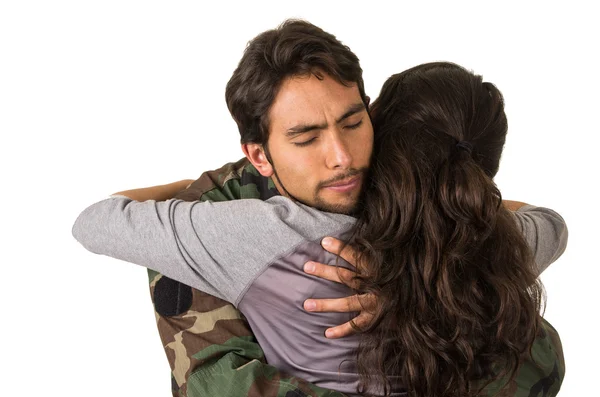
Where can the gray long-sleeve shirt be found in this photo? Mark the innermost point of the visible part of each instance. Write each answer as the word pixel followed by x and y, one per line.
pixel 251 253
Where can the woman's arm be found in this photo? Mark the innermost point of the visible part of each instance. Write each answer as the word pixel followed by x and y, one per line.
pixel 209 246
pixel 545 231
pixel 171 237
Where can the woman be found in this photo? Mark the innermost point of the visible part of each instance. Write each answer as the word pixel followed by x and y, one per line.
pixel 455 280
pixel 458 295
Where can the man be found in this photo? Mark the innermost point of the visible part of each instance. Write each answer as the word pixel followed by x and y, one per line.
pixel 298 99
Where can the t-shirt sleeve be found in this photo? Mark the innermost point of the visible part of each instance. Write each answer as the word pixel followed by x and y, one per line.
pixel 191 242
pixel 545 231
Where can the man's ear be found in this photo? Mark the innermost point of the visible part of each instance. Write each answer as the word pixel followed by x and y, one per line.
pixel 256 154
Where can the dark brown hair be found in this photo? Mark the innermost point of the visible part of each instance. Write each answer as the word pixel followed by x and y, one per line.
pixel 296 47
pixel 458 298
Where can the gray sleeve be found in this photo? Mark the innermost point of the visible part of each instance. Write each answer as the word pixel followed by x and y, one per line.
pixel 217 247
pixel 191 242
pixel 545 231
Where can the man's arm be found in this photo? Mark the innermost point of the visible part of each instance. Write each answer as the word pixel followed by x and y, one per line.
pixel 513 205
pixel 157 193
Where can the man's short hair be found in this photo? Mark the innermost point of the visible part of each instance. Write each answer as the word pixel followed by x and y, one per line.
pixel 295 48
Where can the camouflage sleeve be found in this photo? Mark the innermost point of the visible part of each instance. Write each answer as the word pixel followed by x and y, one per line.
pixel 209 344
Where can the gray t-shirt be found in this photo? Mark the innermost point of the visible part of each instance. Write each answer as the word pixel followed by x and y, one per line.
pixel 251 253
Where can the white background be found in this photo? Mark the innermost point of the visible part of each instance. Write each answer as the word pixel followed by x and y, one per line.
pixel 102 96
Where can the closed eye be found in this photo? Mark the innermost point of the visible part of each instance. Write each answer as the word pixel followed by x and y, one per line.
pixel 305 143
pixel 354 126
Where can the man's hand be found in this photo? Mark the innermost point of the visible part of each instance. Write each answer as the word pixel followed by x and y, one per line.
pixel 513 205
pixel 157 193
pixel 364 303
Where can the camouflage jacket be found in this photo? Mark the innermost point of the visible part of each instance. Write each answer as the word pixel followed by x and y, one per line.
pixel 212 351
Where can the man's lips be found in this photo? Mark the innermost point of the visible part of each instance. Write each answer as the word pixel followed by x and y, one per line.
pixel 345 185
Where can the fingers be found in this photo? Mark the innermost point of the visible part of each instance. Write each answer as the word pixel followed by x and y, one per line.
pixel 332 273
pixel 334 246
pixel 365 303
pixel 354 303
pixel 340 305
pixel 354 326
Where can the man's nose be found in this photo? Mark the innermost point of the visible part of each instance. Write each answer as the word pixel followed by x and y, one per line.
pixel 339 155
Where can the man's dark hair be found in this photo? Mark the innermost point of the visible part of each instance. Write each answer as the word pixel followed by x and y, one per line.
pixel 295 48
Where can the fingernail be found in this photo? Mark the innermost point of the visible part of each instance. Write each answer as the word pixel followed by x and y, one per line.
pixel 310 305
pixel 326 242
pixel 329 333
pixel 309 267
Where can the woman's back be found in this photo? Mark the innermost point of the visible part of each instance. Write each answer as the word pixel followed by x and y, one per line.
pixel 455 281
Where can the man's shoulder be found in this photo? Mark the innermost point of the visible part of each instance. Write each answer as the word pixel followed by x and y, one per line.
pixel 237 180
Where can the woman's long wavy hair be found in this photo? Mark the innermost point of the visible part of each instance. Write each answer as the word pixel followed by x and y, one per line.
pixel 458 296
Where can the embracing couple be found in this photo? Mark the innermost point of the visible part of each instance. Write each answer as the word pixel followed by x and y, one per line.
pixel 428 286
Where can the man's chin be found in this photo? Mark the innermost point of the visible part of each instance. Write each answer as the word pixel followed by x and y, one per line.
pixel 338 208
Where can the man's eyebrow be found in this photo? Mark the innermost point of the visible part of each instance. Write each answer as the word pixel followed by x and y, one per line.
pixel 356 108
pixel 302 128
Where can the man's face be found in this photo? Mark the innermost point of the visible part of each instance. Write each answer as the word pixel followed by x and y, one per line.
pixel 320 142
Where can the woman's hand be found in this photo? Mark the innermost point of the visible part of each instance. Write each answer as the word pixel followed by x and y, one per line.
pixel 364 303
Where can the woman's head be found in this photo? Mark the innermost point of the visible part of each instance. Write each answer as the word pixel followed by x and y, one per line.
pixel 434 106
pixel 457 294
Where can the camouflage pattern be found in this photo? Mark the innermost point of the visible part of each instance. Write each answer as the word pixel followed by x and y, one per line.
pixel 209 344
pixel 541 373
pixel 212 351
